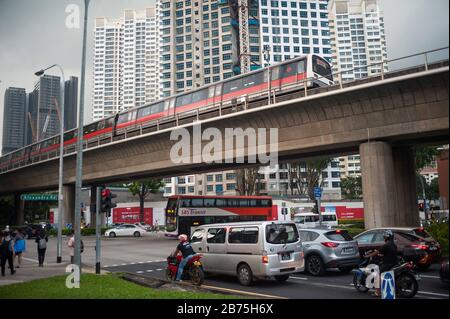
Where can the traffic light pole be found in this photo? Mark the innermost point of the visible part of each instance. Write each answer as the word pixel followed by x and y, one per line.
pixel 97 231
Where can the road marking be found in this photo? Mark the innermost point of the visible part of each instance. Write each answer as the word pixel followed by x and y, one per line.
pixel 432 293
pixel 299 278
pixel 150 270
pixel 29 259
pixel 158 269
pixel 141 262
pixel 139 272
pixel 427 276
pixel 114 265
pixel 243 292
pixel 132 263
pixel 106 266
pixel 124 264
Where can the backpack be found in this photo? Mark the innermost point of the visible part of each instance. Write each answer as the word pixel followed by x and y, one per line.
pixel 42 243
pixel 4 247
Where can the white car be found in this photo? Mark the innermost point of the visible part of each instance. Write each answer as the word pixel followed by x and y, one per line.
pixel 143 225
pixel 125 230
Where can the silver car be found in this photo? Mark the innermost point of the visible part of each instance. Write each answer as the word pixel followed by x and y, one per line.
pixel 250 250
pixel 328 248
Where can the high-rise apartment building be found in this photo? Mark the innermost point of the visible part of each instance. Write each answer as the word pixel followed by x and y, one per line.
pixel 357 38
pixel 200 43
pixel 350 165
pixel 70 103
pixel 47 89
pixel 126 62
pixel 294 28
pixel 14 119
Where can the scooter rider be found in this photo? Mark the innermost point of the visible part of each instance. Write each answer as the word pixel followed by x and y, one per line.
pixel 186 250
pixel 388 252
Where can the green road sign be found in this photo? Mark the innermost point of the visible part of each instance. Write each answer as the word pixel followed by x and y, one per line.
pixel 39 197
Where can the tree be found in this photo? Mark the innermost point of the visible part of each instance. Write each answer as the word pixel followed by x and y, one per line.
pixel 431 189
pixel 305 175
pixel 247 180
pixel 351 187
pixel 423 156
pixel 143 189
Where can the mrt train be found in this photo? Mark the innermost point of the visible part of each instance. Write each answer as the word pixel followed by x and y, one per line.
pixel 291 75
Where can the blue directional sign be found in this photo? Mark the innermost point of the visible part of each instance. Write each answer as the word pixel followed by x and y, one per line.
pixel 387 285
pixel 317 192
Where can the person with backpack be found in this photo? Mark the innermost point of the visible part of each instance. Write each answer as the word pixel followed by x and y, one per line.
pixel 41 241
pixel 7 253
pixel 19 247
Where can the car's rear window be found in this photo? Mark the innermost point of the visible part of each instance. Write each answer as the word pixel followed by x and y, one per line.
pixel 281 233
pixel 339 235
pixel 421 232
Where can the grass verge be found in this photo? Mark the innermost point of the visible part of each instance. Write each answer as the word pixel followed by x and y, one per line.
pixel 93 286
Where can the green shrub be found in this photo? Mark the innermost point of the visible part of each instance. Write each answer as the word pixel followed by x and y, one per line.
pixel 439 231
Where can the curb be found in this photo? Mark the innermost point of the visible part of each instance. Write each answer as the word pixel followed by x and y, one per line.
pixel 157 283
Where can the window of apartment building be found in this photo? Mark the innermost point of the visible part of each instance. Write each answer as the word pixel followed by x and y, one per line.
pixel 284 175
pixel 219 177
pixel 230 176
pixel 182 190
pixel 209 178
pixel 231 187
pixel 335 174
pixel 336 184
pixel 191 189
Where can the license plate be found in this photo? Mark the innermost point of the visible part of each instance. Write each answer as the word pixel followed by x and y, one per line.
pixel 349 250
pixel 285 256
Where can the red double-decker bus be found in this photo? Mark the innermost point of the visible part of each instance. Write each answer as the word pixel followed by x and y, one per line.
pixel 183 212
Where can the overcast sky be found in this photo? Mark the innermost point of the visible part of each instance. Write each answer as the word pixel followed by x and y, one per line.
pixel 33 35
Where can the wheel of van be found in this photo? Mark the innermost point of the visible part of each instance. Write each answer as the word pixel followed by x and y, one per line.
pixel 314 265
pixel 137 234
pixel 112 234
pixel 282 278
pixel 245 275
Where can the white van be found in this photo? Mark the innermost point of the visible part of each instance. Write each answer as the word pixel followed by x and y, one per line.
pixel 311 220
pixel 250 250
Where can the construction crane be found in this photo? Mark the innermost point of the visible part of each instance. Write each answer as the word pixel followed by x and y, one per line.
pixel 244 42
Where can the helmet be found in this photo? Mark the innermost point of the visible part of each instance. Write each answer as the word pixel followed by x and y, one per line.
pixel 388 234
pixel 182 238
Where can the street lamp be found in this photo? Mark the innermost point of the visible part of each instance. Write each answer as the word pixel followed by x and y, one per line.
pixel 79 161
pixel 61 160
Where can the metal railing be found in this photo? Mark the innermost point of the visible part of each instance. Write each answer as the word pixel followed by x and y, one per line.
pixel 234 106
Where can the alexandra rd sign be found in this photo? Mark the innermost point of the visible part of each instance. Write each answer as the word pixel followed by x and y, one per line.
pixel 39 197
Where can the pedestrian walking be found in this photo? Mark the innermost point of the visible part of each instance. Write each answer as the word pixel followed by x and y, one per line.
pixel 41 241
pixel 71 245
pixel 19 247
pixel 7 253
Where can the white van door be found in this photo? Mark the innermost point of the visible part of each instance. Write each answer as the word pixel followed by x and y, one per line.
pixel 215 249
pixel 197 240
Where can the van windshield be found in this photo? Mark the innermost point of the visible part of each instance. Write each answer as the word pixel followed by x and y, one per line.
pixel 281 233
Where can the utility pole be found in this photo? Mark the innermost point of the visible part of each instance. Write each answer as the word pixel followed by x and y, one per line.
pixel 79 160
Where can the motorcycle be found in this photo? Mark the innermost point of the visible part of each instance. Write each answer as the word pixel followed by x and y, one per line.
pixel 406 280
pixel 193 270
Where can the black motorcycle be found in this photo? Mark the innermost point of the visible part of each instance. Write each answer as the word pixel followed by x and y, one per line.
pixel 406 279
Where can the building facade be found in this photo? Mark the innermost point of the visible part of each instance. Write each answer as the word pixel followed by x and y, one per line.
pixel 46 90
pixel 358 41
pixel 126 62
pixel 70 103
pixel 350 165
pixel 294 28
pixel 14 119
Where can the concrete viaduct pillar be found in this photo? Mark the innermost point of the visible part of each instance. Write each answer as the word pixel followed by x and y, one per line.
pixel 19 210
pixel 69 204
pixel 388 182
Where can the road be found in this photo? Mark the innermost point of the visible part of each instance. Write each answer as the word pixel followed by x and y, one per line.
pixel 147 256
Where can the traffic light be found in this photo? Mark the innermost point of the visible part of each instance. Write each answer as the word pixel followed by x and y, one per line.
pixel 106 202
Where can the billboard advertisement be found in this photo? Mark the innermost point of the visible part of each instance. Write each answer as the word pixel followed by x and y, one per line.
pixel 131 215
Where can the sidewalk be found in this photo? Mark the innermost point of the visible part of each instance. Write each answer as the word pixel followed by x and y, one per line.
pixel 30 270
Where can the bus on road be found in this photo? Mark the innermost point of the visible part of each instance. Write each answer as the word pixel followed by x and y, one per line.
pixel 184 212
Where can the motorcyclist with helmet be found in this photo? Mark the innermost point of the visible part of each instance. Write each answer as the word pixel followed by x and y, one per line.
pixel 389 254
pixel 186 250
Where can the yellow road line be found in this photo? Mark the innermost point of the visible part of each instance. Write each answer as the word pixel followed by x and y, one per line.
pixel 243 292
